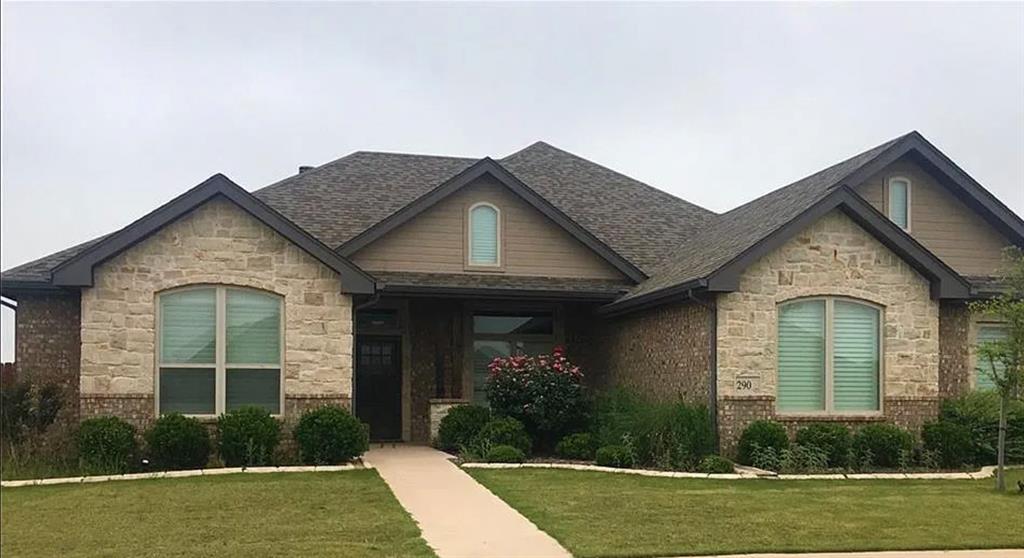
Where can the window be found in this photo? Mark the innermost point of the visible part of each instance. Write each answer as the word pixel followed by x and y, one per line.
pixel 899 202
pixel 829 357
pixel 219 349
pixel 484 235
pixel 502 334
pixel 988 333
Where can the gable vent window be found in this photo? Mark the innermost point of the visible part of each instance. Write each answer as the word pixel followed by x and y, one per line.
pixel 484 235
pixel 899 202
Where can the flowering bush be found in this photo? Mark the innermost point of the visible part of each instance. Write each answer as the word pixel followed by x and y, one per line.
pixel 544 392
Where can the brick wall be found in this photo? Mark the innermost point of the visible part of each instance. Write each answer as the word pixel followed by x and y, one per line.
pixel 47 343
pixel 954 349
pixel 435 331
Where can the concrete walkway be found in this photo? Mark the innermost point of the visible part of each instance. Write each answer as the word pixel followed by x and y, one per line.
pixel 459 517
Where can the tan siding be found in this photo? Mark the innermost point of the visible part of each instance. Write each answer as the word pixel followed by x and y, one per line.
pixel 939 221
pixel 434 241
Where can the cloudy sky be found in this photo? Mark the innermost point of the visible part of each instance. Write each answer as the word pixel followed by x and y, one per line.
pixel 109 110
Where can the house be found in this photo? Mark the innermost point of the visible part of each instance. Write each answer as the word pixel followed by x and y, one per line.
pixel 386 283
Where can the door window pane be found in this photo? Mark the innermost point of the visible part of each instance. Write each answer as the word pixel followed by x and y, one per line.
pixel 484 351
pixel 802 356
pixel 855 357
pixel 190 391
pixel 253 327
pixel 188 322
pixel 259 387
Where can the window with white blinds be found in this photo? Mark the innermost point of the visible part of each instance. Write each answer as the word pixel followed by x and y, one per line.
pixel 899 202
pixel 829 356
pixel 220 349
pixel 484 235
pixel 988 333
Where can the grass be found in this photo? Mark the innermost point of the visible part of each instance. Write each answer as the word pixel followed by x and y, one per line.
pixel 350 513
pixel 605 514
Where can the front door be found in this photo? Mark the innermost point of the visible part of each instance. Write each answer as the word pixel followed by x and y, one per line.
pixel 379 385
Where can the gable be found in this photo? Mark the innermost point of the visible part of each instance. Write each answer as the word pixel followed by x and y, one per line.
pixel 946 226
pixel 434 241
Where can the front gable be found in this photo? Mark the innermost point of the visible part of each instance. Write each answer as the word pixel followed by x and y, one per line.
pixel 531 244
pixel 944 224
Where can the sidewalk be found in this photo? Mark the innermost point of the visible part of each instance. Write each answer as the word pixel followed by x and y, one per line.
pixel 459 517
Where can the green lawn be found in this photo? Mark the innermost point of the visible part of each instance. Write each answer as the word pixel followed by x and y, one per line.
pixel 351 513
pixel 606 514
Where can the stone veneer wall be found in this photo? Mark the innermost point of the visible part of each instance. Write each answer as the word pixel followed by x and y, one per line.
pixel 954 349
pixel 218 243
pixel 47 343
pixel 663 353
pixel 833 256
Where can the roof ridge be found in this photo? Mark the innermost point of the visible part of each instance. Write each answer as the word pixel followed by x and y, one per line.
pixel 611 170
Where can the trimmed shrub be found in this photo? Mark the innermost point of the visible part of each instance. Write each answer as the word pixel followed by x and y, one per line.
pixel 614 456
pixel 762 434
pixel 330 435
pixel 767 458
pixel 715 464
pixel 175 441
pixel 979 412
pixel 882 445
pixel 106 445
pixel 247 437
pixel 504 431
pixel 576 446
pixel 833 439
pixel 544 392
pixel 505 454
pixel 460 426
pixel 951 443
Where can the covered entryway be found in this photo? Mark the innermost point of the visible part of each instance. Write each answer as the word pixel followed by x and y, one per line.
pixel 379 385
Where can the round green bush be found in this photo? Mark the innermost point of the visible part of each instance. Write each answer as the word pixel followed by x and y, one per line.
pixel 175 441
pixel 951 442
pixel 330 435
pixel 106 445
pixel 504 431
pixel 762 434
pixel 715 464
pixel 460 426
pixel 881 445
pixel 576 446
pixel 833 439
pixel 247 437
pixel 614 456
pixel 505 454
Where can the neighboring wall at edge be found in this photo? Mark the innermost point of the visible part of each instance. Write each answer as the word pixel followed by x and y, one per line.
pixel 663 353
pixel 833 256
pixel 941 222
pixel 218 243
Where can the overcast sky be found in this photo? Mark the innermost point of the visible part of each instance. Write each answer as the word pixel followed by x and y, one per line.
pixel 109 110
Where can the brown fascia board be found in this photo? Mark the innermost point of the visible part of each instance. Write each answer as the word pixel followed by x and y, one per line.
pixel 945 282
pixel 483 167
pixel 498 292
pixel 955 179
pixel 78 271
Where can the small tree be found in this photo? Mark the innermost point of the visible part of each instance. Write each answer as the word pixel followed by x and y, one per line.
pixel 1005 357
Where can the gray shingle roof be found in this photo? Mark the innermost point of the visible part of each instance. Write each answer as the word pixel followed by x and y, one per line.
pixel 38 271
pixel 730 234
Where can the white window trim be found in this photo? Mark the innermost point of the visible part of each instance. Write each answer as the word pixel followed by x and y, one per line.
pixel 220 364
pixel 829 410
pixel 470 264
pixel 888 200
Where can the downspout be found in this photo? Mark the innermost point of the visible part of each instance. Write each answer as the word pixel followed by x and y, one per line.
pixel 712 308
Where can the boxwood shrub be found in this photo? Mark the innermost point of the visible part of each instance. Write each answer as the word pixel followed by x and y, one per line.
pixel 106 445
pixel 504 454
pixel 761 434
pixel 715 464
pixel 460 426
pixel 832 438
pixel 329 435
pixel 951 443
pixel 614 456
pixel 175 441
pixel 576 446
pixel 503 431
pixel 881 445
pixel 247 437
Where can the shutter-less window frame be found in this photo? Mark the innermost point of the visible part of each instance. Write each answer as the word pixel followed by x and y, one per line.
pixel 902 206
pixel 483 252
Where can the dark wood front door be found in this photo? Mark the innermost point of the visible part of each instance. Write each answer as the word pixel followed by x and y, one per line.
pixel 379 385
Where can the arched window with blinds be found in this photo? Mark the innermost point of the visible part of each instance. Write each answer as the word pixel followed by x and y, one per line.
pixel 484 235
pixel 899 201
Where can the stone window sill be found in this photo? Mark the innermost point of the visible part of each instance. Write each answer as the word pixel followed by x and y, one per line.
pixel 832 418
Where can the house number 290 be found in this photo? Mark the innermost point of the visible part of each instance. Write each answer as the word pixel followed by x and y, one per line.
pixel 744 384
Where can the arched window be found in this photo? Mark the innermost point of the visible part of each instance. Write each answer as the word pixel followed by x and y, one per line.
pixel 219 348
pixel 899 201
pixel 484 235
pixel 829 356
